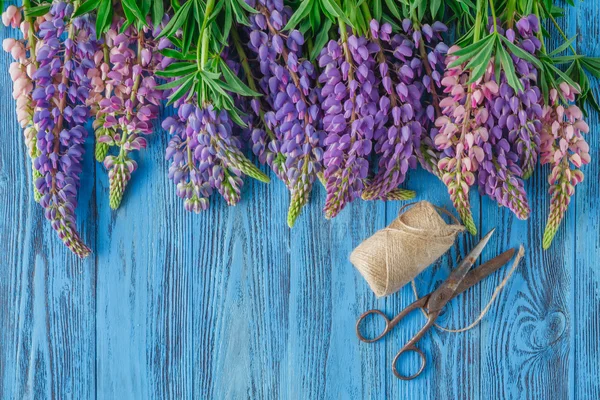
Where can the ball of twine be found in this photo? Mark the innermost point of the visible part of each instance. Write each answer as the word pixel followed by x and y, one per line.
pixel 395 255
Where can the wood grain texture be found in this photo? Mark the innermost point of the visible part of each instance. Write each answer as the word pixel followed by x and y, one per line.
pixel 231 304
pixel 47 296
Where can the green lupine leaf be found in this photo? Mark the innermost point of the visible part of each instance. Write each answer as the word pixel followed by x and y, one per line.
pixel 175 83
pixel 469 52
pixel 38 11
pixel 509 69
pixel 564 59
pixel 435 7
pixel 483 56
pixel 391 5
pixel 236 83
pixel 158 10
pixel 132 6
pixel 177 55
pixel 104 17
pixel 234 114
pixel 88 6
pixel 177 21
pixel 177 69
pixel 183 89
pixel 563 46
pixel 519 52
pixel 332 7
pixel 240 15
pixel 377 12
pixel 301 13
pixel 321 40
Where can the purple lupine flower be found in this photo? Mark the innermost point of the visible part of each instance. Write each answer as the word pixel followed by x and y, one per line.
pixel 562 145
pixel 293 131
pixel 405 83
pixel 126 101
pixel 521 112
pixel 352 114
pixel 61 89
pixel 490 130
pixel 202 152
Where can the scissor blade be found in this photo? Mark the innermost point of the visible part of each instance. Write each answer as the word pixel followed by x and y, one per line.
pixel 478 274
pixel 446 291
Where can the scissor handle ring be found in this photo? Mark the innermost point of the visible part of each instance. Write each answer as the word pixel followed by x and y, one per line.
pixel 408 349
pixel 365 315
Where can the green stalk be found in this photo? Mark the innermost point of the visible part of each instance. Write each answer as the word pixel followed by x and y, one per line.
pixel 540 35
pixel 249 77
pixel 511 7
pixel 493 9
pixel 210 5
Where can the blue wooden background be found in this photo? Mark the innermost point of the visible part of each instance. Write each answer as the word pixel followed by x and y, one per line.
pixel 233 304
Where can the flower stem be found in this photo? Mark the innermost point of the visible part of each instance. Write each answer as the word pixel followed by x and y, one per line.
pixel 249 77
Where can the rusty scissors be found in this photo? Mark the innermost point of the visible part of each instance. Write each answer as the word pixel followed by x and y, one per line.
pixel 459 280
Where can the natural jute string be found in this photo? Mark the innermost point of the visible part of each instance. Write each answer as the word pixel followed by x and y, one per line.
pixel 488 305
pixel 395 255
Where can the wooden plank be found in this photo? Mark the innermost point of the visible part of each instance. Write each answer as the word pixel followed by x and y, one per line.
pixel 586 321
pixel 326 297
pixel 47 334
pixel 240 295
pixel 146 263
pixel 527 336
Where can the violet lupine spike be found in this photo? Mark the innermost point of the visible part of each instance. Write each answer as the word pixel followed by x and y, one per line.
pixel 352 113
pixel 126 100
pixel 429 41
pixel 288 82
pixel 61 88
pixel 521 112
pixel 398 135
pixel 21 72
pixel 499 177
pixel 203 153
pixel 562 144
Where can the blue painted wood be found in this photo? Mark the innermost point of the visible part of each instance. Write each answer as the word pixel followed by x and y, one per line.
pixel 233 304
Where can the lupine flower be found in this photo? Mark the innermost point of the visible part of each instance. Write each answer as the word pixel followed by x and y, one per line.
pixel 462 132
pixel 405 82
pixel 294 121
pixel 61 88
pixel 204 155
pixel 125 100
pixel 488 132
pixel 564 148
pixel 12 17
pixel 352 114
pixel 21 72
pixel 520 113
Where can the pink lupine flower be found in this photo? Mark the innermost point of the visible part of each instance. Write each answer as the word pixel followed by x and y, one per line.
pixel 12 17
pixel 562 145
